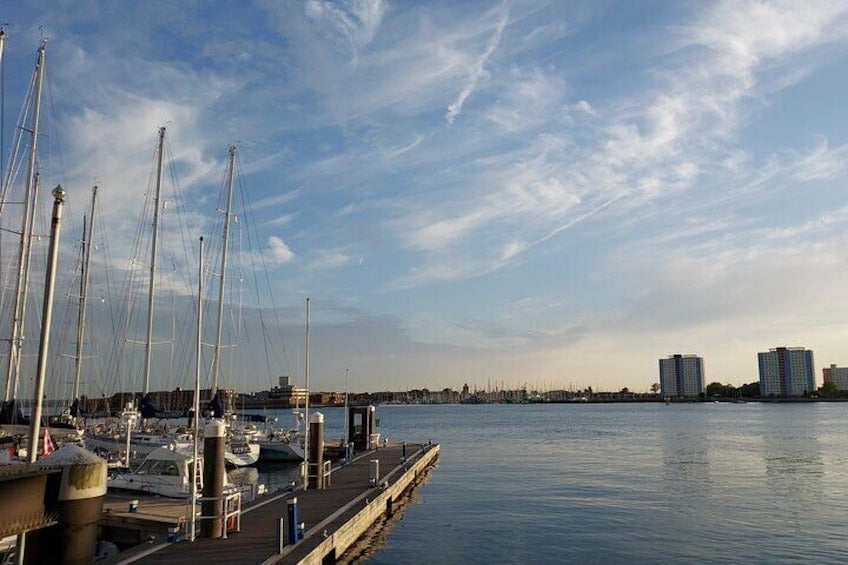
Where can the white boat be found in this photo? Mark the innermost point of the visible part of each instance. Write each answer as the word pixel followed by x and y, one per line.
pixel 277 445
pixel 141 444
pixel 279 448
pixel 240 451
pixel 165 472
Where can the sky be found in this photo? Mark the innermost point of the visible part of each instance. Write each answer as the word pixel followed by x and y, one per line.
pixel 492 193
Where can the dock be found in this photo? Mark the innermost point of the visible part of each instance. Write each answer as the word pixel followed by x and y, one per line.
pixel 334 517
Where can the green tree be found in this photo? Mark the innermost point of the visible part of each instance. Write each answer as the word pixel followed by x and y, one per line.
pixel 655 388
pixel 719 390
pixel 750 390
pixel 829 390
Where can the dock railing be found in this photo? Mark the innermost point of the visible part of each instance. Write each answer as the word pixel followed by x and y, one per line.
pixel 328 473
pixel 232 511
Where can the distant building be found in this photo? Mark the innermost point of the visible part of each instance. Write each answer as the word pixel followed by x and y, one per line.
pixel 288 393
pixel 837 376
pixel 682 375
pixel 786 371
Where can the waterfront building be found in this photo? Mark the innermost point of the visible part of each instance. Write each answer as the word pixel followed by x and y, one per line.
pixel 682 375
pixel 837 376
pixel 786 371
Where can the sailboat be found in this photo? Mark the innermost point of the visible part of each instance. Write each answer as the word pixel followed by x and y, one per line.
pixel 143 443
pixel 240 450
pixel 12 421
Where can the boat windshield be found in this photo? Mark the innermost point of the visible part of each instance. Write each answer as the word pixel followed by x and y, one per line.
pixel 159 467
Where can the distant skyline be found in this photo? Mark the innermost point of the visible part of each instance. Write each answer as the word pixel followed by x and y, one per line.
pixel 543 192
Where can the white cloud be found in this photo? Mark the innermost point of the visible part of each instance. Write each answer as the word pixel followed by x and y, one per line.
pixel 331 260
pixel 279 251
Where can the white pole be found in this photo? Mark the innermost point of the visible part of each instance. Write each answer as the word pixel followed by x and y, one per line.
pixel 130 422
pixel 193 501
pixel 46 318
pixel 306 405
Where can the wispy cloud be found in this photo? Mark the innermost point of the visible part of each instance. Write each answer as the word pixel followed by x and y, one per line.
pixel 475 72
pixel 482 150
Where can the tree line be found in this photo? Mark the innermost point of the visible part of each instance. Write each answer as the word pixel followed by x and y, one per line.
pixel 752 390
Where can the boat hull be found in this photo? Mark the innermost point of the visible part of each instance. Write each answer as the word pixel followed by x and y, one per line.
pixel 280 452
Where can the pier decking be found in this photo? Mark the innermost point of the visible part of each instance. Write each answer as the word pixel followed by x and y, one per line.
pixel 334 517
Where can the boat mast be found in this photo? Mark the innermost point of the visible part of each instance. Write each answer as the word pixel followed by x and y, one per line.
pixel 196 403
pixel 151 288
pixel 216 355
pixel 84 272
pixel 2 108
pixel 19 308
pixel 306 405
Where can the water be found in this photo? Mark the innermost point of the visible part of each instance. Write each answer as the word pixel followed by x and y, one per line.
pixel 614 483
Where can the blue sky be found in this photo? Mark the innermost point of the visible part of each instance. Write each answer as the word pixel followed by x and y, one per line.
pixel 544 192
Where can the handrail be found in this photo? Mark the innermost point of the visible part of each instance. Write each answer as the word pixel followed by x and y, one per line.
pixel 228 499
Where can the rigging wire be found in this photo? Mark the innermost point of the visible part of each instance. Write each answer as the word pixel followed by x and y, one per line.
pixel 251 220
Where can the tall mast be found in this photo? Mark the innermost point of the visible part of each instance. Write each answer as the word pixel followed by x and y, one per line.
pixel 306 405
pixel 86 253
pixel 196 402
pixel 2 107
pixel 151 286
pixel 19 309
pixel 216 355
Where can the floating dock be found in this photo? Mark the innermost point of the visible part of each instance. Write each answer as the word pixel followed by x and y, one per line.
pixel 334 517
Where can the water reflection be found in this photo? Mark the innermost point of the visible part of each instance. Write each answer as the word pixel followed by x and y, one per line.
pixel 686 458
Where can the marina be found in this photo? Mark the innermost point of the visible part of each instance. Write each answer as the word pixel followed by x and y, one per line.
pixel 312 521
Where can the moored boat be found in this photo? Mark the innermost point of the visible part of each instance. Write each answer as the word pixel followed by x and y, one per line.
pixel 164 472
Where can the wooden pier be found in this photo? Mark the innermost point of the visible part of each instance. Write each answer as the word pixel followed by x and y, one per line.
pixel 334 517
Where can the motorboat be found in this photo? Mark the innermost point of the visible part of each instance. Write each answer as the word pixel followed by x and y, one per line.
pixel 164 472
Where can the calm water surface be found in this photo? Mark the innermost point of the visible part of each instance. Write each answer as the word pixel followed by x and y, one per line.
pixel 636 483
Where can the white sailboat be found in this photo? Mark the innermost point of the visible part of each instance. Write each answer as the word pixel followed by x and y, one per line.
pixel 144 442
pixel 241 450
pixel 12 422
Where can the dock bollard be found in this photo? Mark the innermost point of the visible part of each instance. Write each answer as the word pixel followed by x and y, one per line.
pixel 374 472
pixel 292 536
pixel 80 503
pixel 214 437
pixel 315 469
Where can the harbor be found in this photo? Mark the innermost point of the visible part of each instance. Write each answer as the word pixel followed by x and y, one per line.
pixel 339 498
